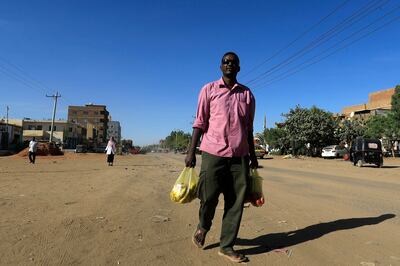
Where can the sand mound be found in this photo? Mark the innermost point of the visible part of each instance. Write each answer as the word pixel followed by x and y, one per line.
pixel 44 149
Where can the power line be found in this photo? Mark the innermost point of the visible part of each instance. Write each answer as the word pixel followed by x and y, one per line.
pixel 343 25
pixel 22 76
pixel 297 38
pixel 18 78
pixel 279 78
pixel 20 69
pixel 336 44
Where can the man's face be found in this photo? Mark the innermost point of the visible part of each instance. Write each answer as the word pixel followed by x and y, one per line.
pixel 230 65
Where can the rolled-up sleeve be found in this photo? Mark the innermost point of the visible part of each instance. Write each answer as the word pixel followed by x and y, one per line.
pixel 203 109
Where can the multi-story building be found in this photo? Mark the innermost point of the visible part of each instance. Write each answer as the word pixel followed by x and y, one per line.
pixel 114 130
pixel 92 117
pixel 379 102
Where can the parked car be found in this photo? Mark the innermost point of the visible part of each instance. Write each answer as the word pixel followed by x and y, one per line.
pixel 260 151
pixel 80 149
pixel 364 151
pixel 99 149
pixel 333 151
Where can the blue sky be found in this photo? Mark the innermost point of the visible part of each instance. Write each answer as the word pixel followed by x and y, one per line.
pixel 147 60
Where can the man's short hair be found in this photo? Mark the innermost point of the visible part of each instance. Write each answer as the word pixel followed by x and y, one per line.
pixel 230 53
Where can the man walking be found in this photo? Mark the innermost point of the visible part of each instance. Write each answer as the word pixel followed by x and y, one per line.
pixel 32 150
pixel 224 119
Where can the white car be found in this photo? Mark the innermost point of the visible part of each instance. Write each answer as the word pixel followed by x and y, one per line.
pixel 333 151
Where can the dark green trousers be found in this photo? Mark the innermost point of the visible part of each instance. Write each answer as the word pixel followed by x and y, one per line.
pixel 229 177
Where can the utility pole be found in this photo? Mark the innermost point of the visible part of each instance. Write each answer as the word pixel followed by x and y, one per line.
pixel 55 97
pixel 8 108
pixel 265 122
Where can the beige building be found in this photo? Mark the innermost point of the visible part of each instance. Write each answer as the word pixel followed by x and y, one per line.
pixel 379 102
pixel 40 129
pixel 92 117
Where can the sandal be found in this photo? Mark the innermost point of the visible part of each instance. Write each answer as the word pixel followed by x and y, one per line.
pixel 199 237
pixel 232 255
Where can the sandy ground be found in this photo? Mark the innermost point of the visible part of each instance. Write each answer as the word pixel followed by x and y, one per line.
pixel 75 210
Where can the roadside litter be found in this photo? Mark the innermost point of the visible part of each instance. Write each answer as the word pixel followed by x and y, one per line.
pixel 286 251
pixel 159 219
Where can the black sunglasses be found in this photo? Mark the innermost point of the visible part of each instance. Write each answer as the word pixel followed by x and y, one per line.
pixel 233 62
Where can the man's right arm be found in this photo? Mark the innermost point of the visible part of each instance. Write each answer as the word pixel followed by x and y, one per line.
pixel 190 160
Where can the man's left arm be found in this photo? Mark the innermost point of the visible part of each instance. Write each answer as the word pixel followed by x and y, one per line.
pixel 252 153
pixel 250 137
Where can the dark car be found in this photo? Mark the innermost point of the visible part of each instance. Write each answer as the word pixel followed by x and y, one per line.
pixel 99 149
pixel 364 151
pixel 80 149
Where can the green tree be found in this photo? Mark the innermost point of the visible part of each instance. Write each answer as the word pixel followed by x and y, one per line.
pixel 377 126
pixel 387 126
pixel 396 103
pixel 274 137
pixel 177 140
pixel 312 126
pixel 347 130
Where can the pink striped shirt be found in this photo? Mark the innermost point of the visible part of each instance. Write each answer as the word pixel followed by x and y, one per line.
pixel 225 116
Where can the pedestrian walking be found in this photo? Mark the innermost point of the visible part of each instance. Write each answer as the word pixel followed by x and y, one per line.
pixel 32 150
pixel 224 119
pixel 110 151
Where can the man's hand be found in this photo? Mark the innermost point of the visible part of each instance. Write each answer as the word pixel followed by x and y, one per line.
pixel 190 160
pixel 253 162
pixel 252 153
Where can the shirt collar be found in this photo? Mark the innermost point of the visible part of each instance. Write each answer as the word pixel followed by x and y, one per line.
pixel 221 84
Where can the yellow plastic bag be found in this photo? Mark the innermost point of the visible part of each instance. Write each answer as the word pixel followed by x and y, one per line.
pixel 254 193
pixel 185 186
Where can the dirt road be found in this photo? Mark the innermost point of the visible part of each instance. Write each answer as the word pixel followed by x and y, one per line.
pixel 75 210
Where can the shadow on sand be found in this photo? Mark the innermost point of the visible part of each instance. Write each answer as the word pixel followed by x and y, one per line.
pixel 268 242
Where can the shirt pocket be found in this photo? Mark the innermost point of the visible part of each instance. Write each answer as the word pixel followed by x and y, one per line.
pixel 242 106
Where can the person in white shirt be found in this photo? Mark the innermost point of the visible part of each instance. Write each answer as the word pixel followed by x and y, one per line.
pixel 110 151
pixel 32 150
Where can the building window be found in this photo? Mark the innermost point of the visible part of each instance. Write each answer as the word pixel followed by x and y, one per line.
pixel 70 129
pixel 85 112
pixel 74 112
pixel 102 112
pixel 96 113
pixel 39 127
pixel 54 128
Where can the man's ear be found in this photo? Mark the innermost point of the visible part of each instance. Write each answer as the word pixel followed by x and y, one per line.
pixel 220 67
